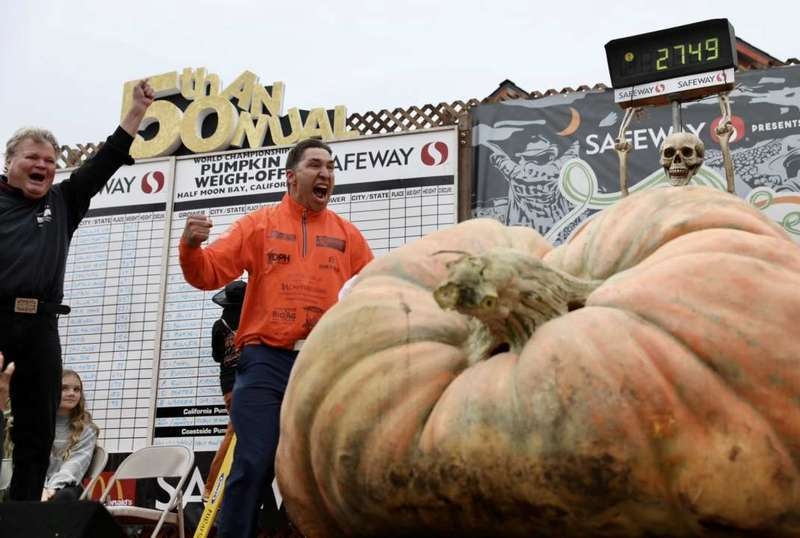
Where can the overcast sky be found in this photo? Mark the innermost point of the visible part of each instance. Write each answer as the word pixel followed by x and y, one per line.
pixel 64 62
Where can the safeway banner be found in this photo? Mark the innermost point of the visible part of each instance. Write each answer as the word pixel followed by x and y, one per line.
pixel 550 163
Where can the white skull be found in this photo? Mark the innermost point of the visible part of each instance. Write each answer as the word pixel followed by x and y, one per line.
pixel 681 156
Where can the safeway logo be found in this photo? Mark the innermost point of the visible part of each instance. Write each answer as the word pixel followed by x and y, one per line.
pixel 738 129
pixel 434 153
pixel 660 88
pixel 152 182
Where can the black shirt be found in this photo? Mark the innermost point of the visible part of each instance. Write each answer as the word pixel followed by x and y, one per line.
pixel 35 234
pixel 223 349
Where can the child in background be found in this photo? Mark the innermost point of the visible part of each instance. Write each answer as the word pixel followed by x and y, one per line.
pixel 76 436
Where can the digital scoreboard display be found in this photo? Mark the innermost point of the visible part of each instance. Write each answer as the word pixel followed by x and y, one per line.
pixel 675 52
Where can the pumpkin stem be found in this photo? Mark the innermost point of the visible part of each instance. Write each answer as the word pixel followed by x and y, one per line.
pixel 511 293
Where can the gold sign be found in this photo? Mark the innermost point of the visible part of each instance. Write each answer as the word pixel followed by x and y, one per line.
pixel 255 120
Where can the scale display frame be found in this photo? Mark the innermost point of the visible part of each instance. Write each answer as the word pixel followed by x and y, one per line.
pixel 675 64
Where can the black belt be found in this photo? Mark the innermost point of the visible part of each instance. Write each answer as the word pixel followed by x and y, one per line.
pixel 31 305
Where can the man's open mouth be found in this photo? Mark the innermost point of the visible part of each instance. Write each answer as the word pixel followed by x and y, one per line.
pixel 36 176
pixel 321 191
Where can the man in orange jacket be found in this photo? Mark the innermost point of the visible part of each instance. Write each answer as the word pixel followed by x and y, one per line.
pixel 297 254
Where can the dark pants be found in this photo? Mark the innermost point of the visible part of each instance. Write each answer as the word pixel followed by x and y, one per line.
pixel 31 342
pixel 261 379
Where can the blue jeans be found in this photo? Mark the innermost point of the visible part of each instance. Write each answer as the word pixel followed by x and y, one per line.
pixel 261 378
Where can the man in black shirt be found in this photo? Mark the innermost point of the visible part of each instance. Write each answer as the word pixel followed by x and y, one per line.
pixel 37 220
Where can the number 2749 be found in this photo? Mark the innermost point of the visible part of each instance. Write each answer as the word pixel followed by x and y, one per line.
pixel 703 51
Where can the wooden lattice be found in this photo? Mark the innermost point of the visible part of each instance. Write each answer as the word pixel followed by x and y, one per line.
pixel 75 156
pixel 409 119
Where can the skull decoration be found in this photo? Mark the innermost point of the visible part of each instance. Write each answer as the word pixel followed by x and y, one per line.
pixel 681 156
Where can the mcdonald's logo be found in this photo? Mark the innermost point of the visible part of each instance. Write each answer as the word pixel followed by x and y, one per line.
pixel 124 492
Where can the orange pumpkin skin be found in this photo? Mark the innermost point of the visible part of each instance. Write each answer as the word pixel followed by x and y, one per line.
pixel 669 405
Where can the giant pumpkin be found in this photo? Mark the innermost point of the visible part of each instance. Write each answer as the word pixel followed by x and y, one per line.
pixel 641 380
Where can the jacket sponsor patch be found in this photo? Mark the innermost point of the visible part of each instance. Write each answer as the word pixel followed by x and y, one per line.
pixel 331 242
pixel 284 314
pixel 282 236
pixel 278 257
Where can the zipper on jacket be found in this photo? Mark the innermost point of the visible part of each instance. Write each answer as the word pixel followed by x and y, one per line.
pixel 305 241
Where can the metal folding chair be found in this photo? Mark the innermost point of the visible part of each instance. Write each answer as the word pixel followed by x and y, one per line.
pixel 153 462
pixel 96 466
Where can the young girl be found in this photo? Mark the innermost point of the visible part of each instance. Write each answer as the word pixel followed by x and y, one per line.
pixel 74 443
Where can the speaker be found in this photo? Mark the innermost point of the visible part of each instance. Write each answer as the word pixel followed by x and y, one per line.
pixel 76 519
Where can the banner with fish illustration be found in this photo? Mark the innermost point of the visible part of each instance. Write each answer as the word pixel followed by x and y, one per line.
pixel 550 163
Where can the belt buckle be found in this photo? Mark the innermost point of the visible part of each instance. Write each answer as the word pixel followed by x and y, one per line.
pixel 26 305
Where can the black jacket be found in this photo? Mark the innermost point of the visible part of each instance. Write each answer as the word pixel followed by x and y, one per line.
pixel 35 234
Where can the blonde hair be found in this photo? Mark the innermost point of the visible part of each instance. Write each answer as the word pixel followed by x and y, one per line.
pixel 79 416
pixel 38 135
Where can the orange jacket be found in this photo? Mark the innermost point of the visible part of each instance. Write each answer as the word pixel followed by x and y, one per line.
pixel 296 261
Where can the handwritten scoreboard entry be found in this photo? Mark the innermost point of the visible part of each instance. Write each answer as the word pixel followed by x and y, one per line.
pixel 141 336
pixel 113 283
